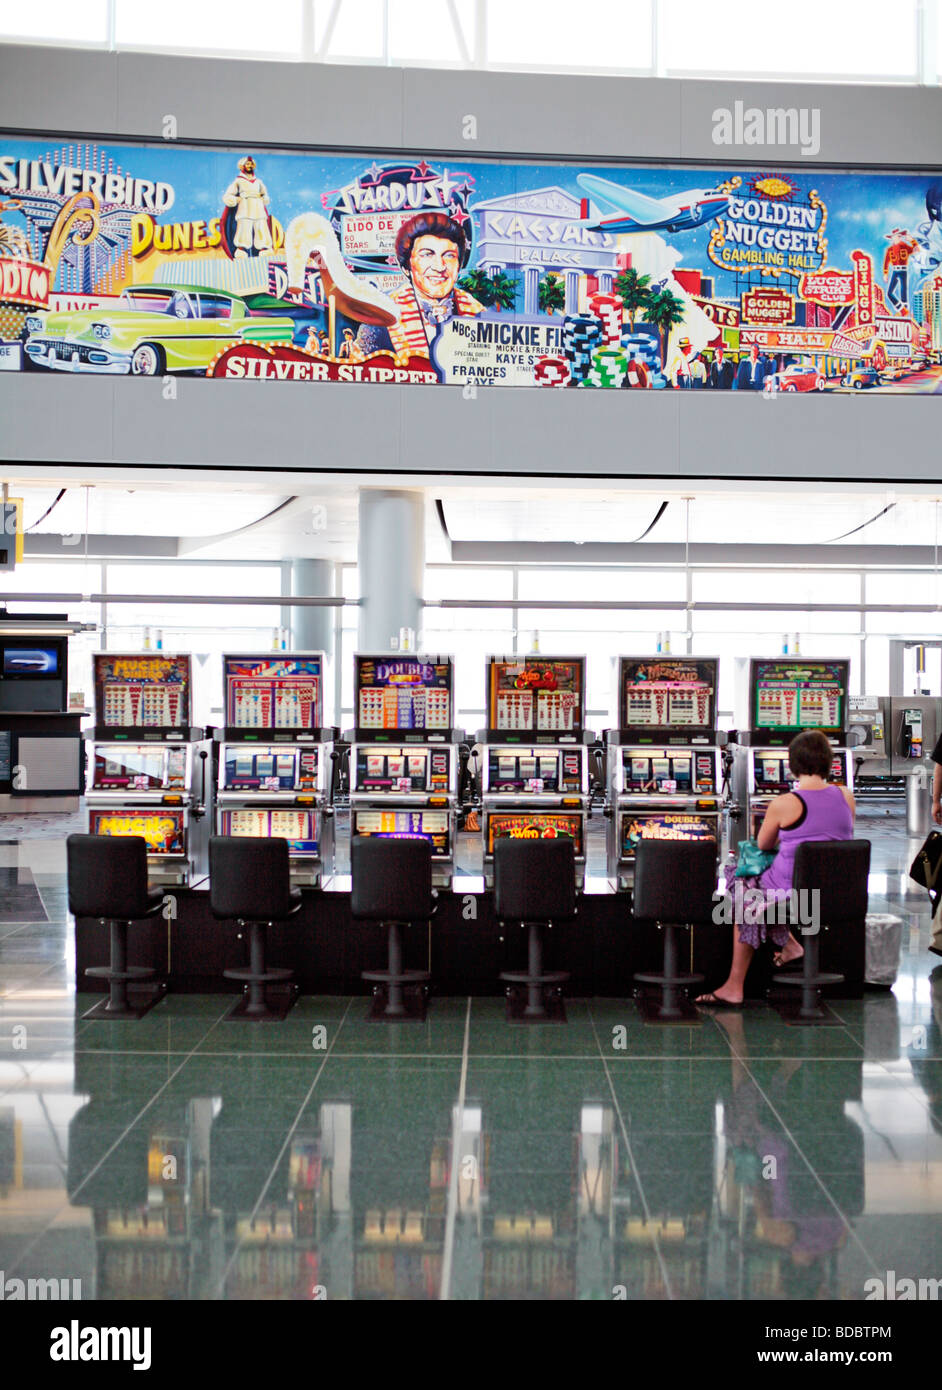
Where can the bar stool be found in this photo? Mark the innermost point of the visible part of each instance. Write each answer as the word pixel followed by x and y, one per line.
pixel 250 882
pixel 837 873
pixel 392 884
pixel 107 876
pixel 674 884
pixel 535 885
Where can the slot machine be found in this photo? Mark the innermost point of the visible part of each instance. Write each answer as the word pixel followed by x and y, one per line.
pixel 535 778
pixel 404 753
pixel 41 767
pixel 664 760
pixel 777 698
pixel 274 759
pixel 142 764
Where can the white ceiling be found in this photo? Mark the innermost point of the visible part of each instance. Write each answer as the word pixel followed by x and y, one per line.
pixel 220 516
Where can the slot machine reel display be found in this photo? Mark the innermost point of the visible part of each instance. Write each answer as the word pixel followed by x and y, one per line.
pixel 535 755
pixel 275 757
pixel 664 760
pixel 404 752
pixel 776 699
pixel 141 765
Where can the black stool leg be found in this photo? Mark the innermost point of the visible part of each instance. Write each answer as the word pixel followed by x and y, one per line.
pixel 395 1005
pixel 118 988
pixel 536 1009
pixel 672 1006
pixel 119 975
pixel 535 1005
pixel 809 1008
pixel 256 1006
pixel 390 1000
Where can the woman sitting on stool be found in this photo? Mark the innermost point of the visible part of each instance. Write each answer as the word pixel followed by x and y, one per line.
pixel 817 810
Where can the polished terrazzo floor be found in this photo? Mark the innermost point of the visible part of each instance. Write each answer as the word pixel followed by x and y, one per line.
pixel 184 1157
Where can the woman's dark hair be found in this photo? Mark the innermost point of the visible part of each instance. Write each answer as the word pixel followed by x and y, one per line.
pixel 429 224
pixel 810 754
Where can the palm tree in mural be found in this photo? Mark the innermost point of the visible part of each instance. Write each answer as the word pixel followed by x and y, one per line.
pixel 552 294
pixel 634 290
pixel 479 285
pixel 664 311
pixel 504 291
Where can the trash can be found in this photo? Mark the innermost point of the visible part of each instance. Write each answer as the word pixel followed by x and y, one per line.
pixel 917 804
pixel 883 948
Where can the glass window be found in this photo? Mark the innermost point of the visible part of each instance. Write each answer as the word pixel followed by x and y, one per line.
pixel 905 624
pixel 877 655
pixel 597 585
pixel 224 26
pixel 357 32
pixel 776 586
pixel 422 33
pixel 76 21
pixel 456 581
pixel 202 579
pixel 51 577
pixel 843 38
pixel 471 639
pixel 904 588
pixel 542 33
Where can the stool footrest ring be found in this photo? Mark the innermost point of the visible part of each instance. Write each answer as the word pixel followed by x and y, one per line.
pixel 520 977
pixel 652 979
pixel 133 972
pixel 267 977
pixel 404 977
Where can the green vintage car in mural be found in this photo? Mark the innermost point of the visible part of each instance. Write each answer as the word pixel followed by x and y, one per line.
pixel 154 329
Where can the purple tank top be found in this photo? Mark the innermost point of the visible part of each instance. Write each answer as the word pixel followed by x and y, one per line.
pixel 827 817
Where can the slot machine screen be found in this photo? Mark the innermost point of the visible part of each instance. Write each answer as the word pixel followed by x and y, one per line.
pixel 134 768
pixel 163 829
pixel 406 825
pixel 667 692
pixel 773 774
pixel 536 695
pixel 299 828
pixel 636 826
pixel 790 694
pixel 141 694
pixel 256 767
pixel 661 770
pixel 281 693
pixel 536 770
pixel 532 825
pixel 403 694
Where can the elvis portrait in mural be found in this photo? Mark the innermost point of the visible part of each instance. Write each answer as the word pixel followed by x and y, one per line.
pixel 145 260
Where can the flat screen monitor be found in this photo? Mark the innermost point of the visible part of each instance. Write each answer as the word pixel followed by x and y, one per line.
pixel 536 825
pixel 141 694
pixel 667 695
pixel 275 695
pixel 403 695
pixel 535 696
pixel 790 694
pixel 31 660
pixel 431 826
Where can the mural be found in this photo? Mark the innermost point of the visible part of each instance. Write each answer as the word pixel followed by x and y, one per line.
pixel 145 260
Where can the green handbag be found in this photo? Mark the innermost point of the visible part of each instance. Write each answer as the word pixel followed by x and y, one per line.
pixel 752 860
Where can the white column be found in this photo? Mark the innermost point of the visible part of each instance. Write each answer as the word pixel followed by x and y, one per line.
pixel 391 560
pixel 572 291
pixel 312 629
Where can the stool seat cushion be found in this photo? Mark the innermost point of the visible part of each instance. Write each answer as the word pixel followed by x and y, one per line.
pixel 250 879
pixel 392 879
pixel 534 880
pixel 674 881
pixel 107 877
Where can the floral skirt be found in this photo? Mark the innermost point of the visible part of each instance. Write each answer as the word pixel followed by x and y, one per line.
pixel 751 902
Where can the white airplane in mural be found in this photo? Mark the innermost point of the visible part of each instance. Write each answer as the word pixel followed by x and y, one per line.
pixel 640 213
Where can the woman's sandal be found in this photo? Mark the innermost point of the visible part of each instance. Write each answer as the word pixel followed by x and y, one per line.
pixel 713 1001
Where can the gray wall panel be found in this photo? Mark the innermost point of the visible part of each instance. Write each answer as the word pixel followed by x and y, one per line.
pixel 70 90
pixel 614 117
pixel 858 125
pixel 248 102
